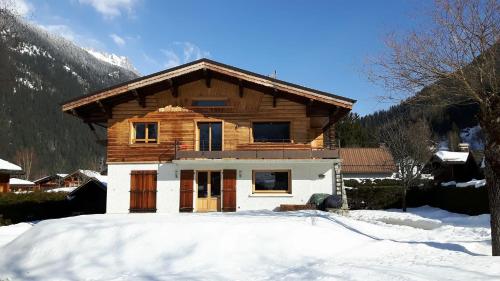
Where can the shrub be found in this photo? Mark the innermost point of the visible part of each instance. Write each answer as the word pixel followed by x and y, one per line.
pixel 16 208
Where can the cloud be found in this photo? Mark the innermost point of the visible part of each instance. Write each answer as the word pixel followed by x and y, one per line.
pixel 172 58
pixel 185 50
pixel 111 8
pixel 117 39
pixel 17 7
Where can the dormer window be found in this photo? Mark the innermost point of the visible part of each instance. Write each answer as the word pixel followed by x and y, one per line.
pixel 209 103
pixel 145 132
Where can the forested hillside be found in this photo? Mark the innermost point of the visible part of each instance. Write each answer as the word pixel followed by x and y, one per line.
pixel 39 71
pixel 449 124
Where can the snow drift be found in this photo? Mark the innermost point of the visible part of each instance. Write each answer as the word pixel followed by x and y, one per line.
pixel 250 246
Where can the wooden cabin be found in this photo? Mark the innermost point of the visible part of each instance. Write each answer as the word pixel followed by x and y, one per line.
pixel 447 166
pixel 206 136
pixel 49 182
pixel 78 178
pixel 21 185
pixel 7 170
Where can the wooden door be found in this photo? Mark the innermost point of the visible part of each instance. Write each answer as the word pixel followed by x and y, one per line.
pixel 186 191
pixel 229 191
pixel 143 191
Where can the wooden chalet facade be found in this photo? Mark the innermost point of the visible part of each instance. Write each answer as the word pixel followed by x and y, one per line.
pixel 7 170
pixel 206 136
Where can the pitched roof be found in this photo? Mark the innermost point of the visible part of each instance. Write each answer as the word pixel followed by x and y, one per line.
pixel 367 160
pixel 16 181
pixel 164 79
pixel 452 156
pixel 9 168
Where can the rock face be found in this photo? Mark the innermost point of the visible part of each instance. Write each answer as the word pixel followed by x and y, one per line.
pixel 38 72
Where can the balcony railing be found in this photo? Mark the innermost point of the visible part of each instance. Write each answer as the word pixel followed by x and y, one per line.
pixel 282 149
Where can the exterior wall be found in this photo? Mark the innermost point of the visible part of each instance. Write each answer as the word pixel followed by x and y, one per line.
pixel 4 183
pixel 177 120
pixel 305 181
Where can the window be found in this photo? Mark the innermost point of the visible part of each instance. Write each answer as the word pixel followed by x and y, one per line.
pixel 210 136
pixel 209 103
pixel 145 132
pixel 271 131
pixel 272 181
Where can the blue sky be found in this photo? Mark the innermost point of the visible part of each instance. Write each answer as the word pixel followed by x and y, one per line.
pixel 319 44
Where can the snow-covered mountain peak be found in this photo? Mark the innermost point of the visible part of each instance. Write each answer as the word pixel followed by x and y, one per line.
pixel 113 59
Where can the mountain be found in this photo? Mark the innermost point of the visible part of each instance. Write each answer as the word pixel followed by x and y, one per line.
pixel 113 59
pixel 38 72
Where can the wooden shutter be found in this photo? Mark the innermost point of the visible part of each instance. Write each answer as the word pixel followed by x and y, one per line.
pixel 229 191
pixel 186 191
pixel 143 191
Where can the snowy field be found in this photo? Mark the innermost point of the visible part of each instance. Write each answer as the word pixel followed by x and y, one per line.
pixel 424 244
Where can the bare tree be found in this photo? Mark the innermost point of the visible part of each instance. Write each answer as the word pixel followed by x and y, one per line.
pixel 410 146
pixel 454 59
pixel 26 158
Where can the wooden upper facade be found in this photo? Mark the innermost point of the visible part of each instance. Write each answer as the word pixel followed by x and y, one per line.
pixel 192 103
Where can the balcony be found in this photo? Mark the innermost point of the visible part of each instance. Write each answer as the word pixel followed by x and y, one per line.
pixel 263 150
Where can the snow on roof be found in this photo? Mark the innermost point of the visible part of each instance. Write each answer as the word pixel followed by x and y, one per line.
pixel 89 173
pixel 16 181
pixel 474 183
pixel 62 175
pixel 6 165
pixel 449 156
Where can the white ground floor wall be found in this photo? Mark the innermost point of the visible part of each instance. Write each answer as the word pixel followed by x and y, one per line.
pixel 307 177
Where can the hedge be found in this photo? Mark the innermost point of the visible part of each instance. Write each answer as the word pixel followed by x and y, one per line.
pixel 15 208
pixel 466 200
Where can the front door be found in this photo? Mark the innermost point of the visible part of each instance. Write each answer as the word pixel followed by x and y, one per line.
pixel 209 190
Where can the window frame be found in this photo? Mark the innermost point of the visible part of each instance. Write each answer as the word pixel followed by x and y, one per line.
pixel 288 191
pixel 224 99
pixel 290 135
pixel 146 140
pixel 197 133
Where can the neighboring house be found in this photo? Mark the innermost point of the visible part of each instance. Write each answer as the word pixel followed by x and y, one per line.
pixel 88 198
pixel 49 182
pixel 78 178
pixel 448 166
pixel 18 185
pixel 206 136
pixel 367 163
pixel 7 170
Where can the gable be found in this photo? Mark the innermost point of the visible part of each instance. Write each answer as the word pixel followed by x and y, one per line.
pixel 97 107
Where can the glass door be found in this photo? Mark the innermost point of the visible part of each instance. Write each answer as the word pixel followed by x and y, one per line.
pixel 210 136
pixel 209 189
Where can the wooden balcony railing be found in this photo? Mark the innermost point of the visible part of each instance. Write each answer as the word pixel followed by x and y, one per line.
pixel 263 150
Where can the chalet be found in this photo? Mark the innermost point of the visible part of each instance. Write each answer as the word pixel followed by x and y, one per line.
pixel 367 163
pixel 206 136
pixel 49 182
pixel 78 178
pixel 459 166
pixel 7 170
pixel 20 185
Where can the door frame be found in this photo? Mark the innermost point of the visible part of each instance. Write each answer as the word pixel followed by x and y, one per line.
pixel 209 188
pixel 197 133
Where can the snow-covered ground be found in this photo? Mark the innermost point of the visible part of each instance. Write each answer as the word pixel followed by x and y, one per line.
pixel 424 244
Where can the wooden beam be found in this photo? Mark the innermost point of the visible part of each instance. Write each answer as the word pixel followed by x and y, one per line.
pixel 140 98
pixel 173 87
pixel 275 97
pixel 309 107
pixel 240 88
pixel 91 126
pixel 105 109
pixel 208 77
